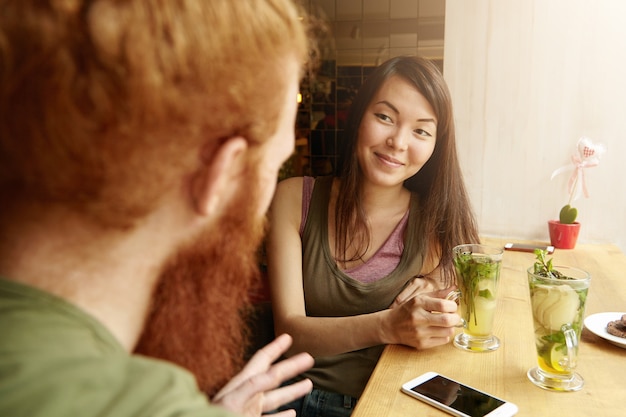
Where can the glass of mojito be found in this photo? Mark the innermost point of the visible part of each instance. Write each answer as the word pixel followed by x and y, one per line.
pixel 558 301
pixel 478 274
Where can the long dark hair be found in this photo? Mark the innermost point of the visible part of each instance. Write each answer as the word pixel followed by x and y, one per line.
pixel 447 217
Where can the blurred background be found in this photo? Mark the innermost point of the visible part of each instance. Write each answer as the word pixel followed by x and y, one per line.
pixel 528 79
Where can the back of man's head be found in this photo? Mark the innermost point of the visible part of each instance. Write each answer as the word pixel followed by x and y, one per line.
pixel 103 102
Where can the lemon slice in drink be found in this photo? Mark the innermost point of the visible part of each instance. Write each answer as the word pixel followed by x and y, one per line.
pixel 558 358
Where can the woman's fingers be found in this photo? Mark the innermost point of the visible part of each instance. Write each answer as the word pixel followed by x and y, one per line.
pixel 417 286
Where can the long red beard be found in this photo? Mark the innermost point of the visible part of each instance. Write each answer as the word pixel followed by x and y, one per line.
pixel 197 320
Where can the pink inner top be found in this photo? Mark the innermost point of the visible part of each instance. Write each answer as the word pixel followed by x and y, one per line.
pixel 384 261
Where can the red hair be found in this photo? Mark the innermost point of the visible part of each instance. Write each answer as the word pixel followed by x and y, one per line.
pixel 101 101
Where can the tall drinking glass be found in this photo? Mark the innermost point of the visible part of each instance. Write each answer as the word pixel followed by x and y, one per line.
pixel 478 274
pixel 558 305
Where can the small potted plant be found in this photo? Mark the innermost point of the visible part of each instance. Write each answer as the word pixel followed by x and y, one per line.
pixel 564 231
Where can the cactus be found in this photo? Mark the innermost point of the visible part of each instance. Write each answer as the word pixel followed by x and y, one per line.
pixel 568 214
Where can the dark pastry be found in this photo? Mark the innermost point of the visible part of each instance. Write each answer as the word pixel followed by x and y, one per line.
pixel 617 327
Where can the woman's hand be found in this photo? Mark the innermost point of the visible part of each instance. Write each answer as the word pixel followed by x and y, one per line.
pixel 418 285
pixel 421 319
pixel 256 389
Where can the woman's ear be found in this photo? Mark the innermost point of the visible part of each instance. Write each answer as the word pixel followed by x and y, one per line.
pixel 218 177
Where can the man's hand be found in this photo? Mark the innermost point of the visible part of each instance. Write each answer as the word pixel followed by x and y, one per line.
pixel 256 389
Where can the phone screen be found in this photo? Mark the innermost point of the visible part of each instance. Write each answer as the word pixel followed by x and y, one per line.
pixel 458 396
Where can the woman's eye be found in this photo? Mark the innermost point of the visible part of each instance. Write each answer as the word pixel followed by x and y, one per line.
pixel 422 132
pixel 382 116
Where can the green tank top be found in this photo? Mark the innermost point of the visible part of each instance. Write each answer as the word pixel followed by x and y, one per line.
pixel 328 292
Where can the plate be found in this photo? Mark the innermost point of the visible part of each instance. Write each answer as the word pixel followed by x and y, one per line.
pixel 596 323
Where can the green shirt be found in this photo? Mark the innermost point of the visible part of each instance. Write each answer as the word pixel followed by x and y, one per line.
pixel 56 360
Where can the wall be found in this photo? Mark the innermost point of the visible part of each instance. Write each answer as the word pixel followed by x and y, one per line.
pixel 368 32
pixel 528 78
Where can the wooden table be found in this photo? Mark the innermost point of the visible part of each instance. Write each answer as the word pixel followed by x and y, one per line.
pixel 503 372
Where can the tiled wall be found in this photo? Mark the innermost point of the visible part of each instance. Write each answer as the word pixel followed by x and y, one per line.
pixel 367 32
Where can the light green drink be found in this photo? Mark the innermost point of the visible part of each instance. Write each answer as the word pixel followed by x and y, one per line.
pixel 478 274
pixel 558 308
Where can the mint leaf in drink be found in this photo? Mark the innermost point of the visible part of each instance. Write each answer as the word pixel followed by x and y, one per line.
pixel 543 267
pixel 486 294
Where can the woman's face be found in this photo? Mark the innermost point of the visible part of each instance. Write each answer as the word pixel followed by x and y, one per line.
pixel 397 133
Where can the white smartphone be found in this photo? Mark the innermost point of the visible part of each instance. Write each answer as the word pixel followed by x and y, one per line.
pixel 455 398
pixel 522 247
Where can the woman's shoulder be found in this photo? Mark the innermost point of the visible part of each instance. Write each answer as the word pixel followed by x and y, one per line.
pixel 290 185
pixel 295 185
pixel 289 192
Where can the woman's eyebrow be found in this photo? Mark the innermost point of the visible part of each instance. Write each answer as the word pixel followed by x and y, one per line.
pixel 392 107
pixel 388 104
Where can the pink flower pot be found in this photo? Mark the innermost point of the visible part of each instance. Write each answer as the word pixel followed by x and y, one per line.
pixel 562 235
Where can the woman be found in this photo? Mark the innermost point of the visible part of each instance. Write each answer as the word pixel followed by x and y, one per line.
pixel 363 258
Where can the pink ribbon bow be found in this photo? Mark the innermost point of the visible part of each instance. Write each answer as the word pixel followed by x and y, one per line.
pixel 588 156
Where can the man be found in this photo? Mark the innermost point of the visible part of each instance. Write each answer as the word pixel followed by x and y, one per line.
pixel 139 146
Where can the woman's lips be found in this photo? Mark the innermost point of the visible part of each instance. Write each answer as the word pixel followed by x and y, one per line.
pixel 388 160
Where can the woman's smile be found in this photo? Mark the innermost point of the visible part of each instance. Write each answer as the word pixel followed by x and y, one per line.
pixel 389 160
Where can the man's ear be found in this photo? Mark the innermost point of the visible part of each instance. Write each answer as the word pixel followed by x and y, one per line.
pixel 213 184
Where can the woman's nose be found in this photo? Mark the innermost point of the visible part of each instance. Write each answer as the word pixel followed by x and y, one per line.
pixel 398 140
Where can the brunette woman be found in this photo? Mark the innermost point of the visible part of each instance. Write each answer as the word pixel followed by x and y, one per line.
pixel 363 258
